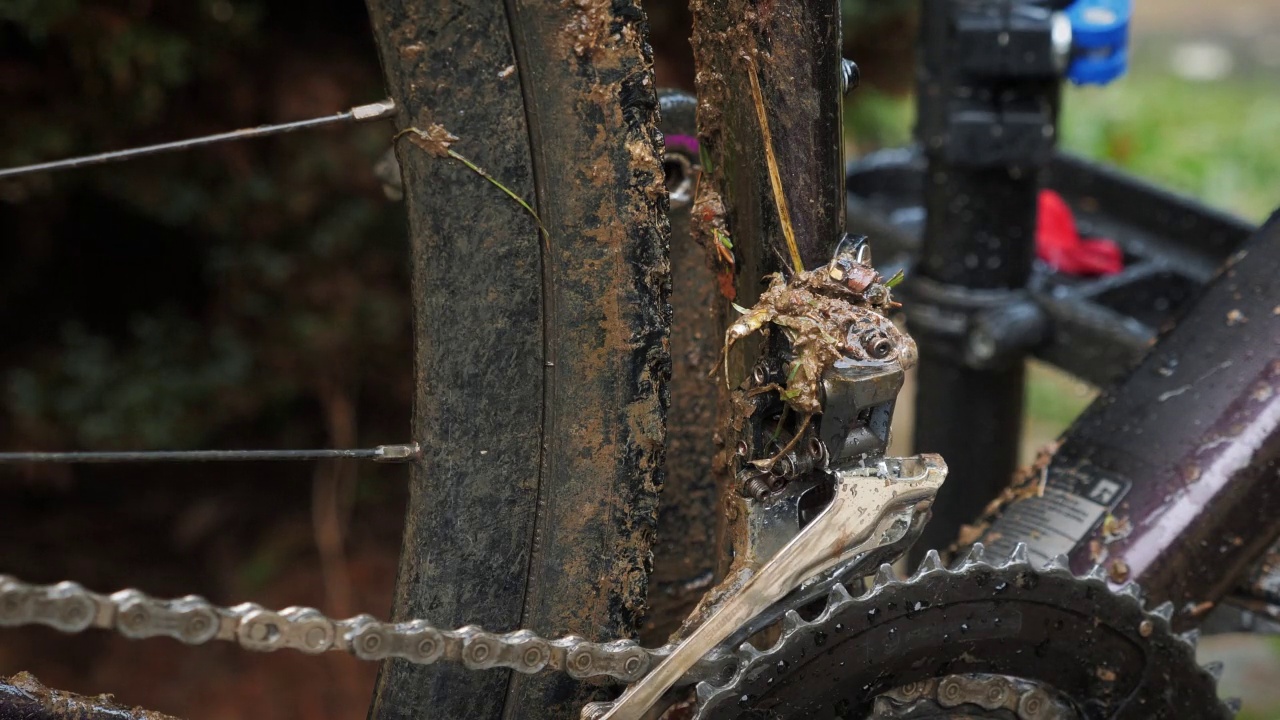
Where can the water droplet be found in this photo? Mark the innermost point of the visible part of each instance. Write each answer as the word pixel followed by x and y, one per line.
pixel 964 627
pixel 1001 587
pixel 782 666
pixel 871 614
pixel 819 639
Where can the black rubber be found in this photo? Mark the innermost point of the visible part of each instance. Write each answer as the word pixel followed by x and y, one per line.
pixel 541 362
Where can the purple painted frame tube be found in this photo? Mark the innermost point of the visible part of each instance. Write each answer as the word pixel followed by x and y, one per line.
pixel 1172 478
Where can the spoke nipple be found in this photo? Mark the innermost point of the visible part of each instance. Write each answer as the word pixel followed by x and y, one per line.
pixel 373 111
pixel 397 453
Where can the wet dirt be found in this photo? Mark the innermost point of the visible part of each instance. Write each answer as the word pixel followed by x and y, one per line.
pixel 1028 482
pixel 824 321
pixel 28 697
pixel 684 557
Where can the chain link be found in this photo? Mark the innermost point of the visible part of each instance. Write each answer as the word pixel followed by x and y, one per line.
pixel 1001 696
pixel 71 608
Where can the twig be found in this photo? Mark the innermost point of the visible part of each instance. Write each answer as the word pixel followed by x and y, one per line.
pixel 775 177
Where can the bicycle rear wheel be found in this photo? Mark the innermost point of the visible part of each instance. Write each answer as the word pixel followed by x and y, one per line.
pixel 541 362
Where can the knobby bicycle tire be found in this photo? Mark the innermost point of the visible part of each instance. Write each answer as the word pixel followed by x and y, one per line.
pixel 541 360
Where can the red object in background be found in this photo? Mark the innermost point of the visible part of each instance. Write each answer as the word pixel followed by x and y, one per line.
pixel 1059 244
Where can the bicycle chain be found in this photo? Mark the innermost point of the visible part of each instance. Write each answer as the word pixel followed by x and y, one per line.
pixel 991 695
pixel 71 608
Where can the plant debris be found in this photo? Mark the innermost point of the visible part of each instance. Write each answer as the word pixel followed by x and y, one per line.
pixel 438 141
pixel 827 314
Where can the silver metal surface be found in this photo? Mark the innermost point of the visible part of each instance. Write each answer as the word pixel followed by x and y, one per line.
pixel 360 113
pixel 996 696
pixel 70 608
pixel 1062 37
pixel 1121 611
pixel 859 518
pixel 403 452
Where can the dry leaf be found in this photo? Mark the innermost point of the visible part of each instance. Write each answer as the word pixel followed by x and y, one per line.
pixel 435 139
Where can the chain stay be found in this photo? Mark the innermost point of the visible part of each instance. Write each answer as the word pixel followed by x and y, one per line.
pixel 71 608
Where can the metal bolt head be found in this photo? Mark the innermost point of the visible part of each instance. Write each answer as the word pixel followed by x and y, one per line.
pixel 982 346
pixel 760 375
pixel 850 75
pixel 877 344
pixel 877 294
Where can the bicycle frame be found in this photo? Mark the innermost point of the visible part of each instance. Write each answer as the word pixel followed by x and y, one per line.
pixel 1167 479
pixel 1138 449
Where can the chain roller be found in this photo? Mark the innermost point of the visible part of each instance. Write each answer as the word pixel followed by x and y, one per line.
pixel 71 608
pixel 998 695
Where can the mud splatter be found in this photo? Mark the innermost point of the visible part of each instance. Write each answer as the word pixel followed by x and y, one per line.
pixel 28 697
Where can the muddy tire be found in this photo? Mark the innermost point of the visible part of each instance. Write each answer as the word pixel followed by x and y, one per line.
pixel 540 359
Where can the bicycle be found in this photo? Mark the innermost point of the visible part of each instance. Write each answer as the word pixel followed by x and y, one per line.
pixel 588 518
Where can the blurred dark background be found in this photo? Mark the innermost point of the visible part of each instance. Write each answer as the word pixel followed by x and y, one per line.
pixel 256 295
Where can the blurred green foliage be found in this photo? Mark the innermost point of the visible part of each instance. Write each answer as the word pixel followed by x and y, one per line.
pixel 255 293
pixel 1213 141
pixel 872 11
pixel 1207 140
pixel 876 119
pixel 294 297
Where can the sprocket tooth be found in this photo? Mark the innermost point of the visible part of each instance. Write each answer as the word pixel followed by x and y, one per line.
pixel 1097 572
pixel 932 563
pixel 792 622
pixel 976 555
pixel 1019 556
pixel 1233 705
pixel 747 654
pixel 1164 611
pixel 1058 563
pixel 838 596
pixel 705 691
pixel 885 576
pixel 1131 590
pixel 1191 638
pixel 839 631
pixel 1214 669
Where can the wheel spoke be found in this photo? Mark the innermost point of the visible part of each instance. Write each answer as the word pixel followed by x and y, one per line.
pixel 403 452
pixel 360 113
